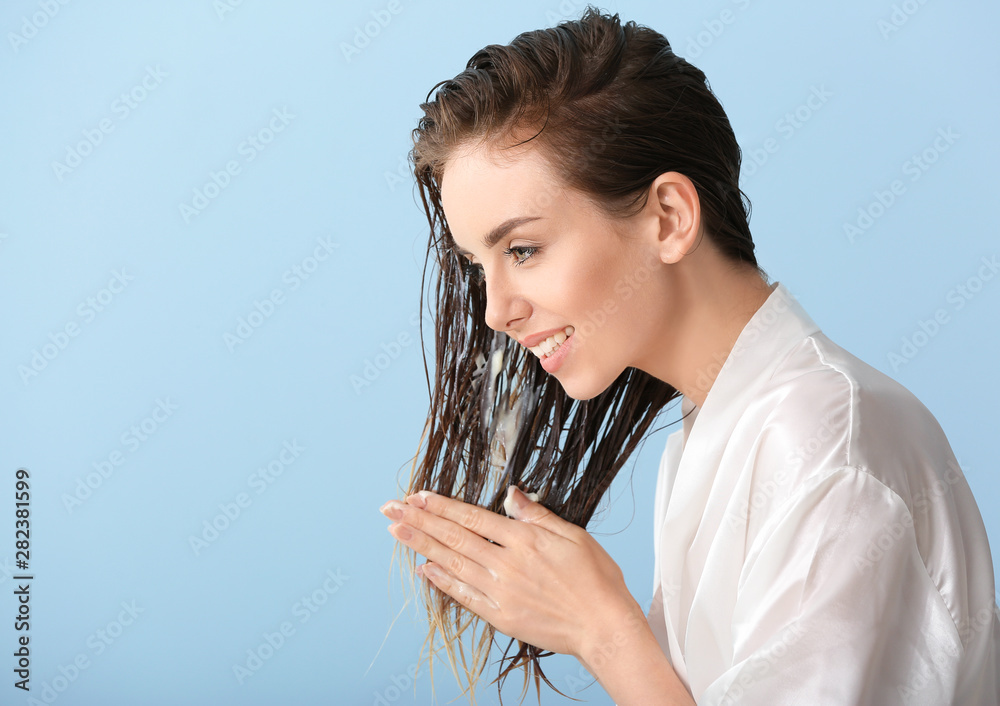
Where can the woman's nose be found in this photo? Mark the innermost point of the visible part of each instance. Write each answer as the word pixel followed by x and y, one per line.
pixel 504 303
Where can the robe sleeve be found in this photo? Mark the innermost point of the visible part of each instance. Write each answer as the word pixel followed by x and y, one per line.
pixel 835 606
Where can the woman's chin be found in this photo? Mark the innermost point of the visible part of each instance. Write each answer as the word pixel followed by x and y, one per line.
pixel 588 390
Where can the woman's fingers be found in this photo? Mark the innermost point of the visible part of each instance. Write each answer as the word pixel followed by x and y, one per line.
pixel 456 536
pixel 526 509
pixel 460 561
pixel 473 518
pixel 469 596
pixel 496 527
pixel 539 578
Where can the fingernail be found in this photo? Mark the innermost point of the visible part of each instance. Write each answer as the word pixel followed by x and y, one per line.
pixel 517 500
pixel 432 572
pixel 400 531
pixel 418 499
pixel 393 510
pixel 514 502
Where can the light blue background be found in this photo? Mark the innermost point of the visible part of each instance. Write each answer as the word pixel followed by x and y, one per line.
pixel 331 173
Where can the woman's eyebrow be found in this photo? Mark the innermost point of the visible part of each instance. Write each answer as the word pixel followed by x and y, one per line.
pixel 497 234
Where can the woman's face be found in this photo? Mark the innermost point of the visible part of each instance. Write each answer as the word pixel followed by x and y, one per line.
pixel 570 265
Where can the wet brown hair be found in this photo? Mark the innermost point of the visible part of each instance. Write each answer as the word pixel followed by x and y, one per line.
pixel 610 107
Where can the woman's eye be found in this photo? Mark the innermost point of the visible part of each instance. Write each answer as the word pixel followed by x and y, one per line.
pixel 520 253
pixel 525 250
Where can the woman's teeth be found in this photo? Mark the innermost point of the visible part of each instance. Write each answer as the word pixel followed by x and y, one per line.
pixel 550 344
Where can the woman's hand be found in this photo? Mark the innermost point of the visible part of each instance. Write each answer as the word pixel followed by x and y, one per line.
pixel 543 580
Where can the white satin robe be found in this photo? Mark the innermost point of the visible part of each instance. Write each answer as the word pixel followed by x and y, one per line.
pixel 816 541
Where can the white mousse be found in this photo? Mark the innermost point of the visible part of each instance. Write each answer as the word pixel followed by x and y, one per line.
pixel 508 503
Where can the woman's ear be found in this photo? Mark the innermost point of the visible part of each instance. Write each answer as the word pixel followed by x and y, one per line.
pixel 673 202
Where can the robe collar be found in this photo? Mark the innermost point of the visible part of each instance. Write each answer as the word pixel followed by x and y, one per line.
pixel 777 326
pixel 767 339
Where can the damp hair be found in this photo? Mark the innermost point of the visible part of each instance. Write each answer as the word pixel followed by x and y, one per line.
pixel 610 107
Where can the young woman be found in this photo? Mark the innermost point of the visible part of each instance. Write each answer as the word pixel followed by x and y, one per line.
pixel 816 540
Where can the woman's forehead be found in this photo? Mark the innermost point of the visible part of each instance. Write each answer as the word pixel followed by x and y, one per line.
pixel 475 187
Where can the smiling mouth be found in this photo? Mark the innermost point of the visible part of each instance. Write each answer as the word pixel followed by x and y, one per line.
pixel 551 344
